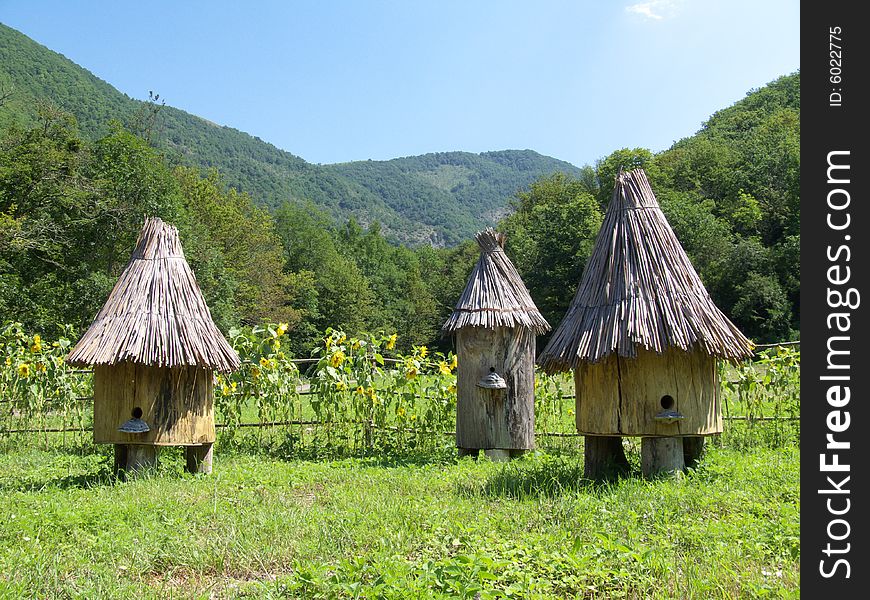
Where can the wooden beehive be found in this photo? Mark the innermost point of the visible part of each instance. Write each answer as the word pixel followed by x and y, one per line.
pixel 495 323
pixel 623 396
pixel 177 403
pixel 495 419
pixel 154 349
pixel 643 338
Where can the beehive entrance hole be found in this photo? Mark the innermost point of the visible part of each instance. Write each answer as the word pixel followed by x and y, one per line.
pixel 667 401
pixel 137 413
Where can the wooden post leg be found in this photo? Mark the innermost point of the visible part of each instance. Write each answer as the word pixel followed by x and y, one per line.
pixel 661 456
pixel 120 461
pixel 498 455
pixel 472 452
pixel 140 457
pixel 198 458
pixel 693 448
pixel 603 455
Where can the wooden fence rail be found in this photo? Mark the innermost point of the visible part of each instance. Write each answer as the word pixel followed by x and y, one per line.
pixel 267 424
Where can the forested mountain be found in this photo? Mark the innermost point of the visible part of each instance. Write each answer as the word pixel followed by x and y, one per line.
pixel 439 199
pixel 73 191
pixel 473 188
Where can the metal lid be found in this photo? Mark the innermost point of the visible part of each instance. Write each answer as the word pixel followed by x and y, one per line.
pixel 134 425
pixel 669 416
pixel 492 381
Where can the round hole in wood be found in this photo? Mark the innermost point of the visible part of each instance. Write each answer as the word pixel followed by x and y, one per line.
pixel 667 401
pixel 137 413
pixel 492 369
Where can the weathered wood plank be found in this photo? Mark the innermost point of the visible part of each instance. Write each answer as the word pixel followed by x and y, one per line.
pixel 176 403
pixel 622 396
pixel 596 389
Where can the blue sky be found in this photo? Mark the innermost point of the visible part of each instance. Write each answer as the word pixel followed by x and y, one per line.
pixel 334 81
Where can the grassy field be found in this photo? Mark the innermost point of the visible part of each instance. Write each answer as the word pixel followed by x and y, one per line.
pixel 426 526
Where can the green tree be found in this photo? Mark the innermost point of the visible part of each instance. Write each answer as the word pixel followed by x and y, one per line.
pixel 343 297
pixel 549 239
pixel 405 302
pixel 225 222
pixel 607 168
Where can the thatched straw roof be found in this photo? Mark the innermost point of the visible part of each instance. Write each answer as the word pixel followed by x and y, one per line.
pixel 639 289
pixel 495 295
pixel 156 314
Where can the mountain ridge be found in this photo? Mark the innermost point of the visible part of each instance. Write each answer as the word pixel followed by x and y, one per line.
pixel 438 198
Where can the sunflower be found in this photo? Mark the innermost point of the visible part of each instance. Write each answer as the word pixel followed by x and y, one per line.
pixel 443 368
pixel 391 341
pixel 24 370
pixel 337 359
pixel 282 329
pixel 453 362
pixel 424 351
pixel 340 386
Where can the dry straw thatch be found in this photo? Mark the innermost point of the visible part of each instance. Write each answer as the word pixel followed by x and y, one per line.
pixel 156 314
pixel 495 295
pixel 639 289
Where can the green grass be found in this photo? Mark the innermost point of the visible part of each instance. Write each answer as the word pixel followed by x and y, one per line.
pixel 425 526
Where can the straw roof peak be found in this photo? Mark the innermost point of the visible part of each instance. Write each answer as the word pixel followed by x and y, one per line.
pixel 495 295
pixel 639 289
pixel 156 314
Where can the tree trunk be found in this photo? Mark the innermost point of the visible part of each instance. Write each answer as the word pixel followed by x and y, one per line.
pixel 661 456
pixel 135 458
pixel 498 455
pixel 120 460
pixel 198 458
pixel 693 449
pixel 603 456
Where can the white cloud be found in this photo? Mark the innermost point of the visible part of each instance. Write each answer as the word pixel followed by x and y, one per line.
pixel 655 10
